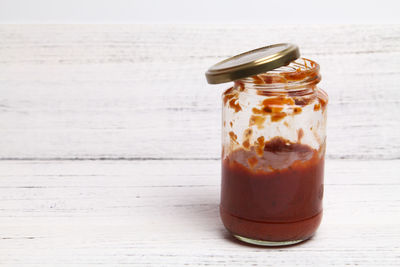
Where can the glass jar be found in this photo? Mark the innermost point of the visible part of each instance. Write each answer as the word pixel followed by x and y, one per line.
pixel 273 147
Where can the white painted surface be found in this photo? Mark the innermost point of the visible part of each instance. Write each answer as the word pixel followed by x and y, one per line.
pixel 136 96
pixel 164 213
pixel 140 91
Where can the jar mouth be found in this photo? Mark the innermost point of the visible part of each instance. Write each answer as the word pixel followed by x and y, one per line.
pixel 294 76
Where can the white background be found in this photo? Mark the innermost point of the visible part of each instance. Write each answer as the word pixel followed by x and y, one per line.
pixel 206 11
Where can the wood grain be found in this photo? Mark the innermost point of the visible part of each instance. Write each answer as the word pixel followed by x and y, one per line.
pixel 165 213
pixel 139 92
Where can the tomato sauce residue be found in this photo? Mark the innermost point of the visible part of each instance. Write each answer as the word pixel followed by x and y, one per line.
pixel 234 103
pixel 303 70
pixel 231 95
pixel 297 110
pixel 258 121
pixel 323 99
pixel 303 101
pixel 275 195
pixel 246 144
pixel 252 161
pixel 273 106
pixel 228 95
pixel 276 102
pixel 259 146
pixel 258 80
pixel 278 116
pixel 300 134
pixel 233 137
pixel 246 136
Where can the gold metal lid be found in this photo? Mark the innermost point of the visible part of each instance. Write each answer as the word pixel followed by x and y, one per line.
pixel 252 63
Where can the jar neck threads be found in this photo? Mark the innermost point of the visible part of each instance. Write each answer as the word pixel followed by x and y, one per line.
pixel 300 77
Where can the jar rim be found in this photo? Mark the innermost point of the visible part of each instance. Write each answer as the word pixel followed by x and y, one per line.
pixel 297 74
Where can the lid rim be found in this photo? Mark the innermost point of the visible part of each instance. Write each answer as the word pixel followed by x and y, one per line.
pixel 215 75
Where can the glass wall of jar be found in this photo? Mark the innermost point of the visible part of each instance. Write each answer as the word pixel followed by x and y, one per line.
pixel 273 146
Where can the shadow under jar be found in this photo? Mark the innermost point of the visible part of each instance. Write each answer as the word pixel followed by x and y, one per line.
pixel 273 147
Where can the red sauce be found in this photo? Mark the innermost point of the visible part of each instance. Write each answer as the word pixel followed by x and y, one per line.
pixel 257 120
pixel 323 99
pixel 247 135
pixel 274 194
pixel 233 137
pixel 278 116
pixel 233 103
pixel 273 106
pixel 297 110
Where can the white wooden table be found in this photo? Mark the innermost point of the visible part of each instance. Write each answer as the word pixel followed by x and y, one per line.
pixel 110 140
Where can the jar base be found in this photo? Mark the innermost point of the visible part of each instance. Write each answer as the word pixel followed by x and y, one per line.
pixel 270 233
pixel 268 243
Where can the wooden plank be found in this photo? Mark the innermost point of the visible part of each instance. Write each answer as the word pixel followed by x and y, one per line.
pixel 152 213
pixel 138 91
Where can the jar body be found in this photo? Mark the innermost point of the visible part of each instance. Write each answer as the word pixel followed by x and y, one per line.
pixel 273 147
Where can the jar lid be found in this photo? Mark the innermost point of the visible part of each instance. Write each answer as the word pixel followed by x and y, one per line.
pixel 252 63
